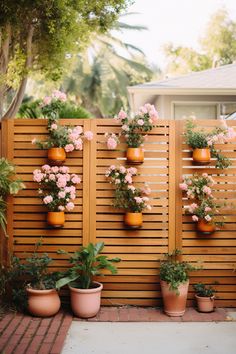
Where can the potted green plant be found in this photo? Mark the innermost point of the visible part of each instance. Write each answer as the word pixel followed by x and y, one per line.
pixel 85 293
pixel 57 187
pixel 35 280
pixel 9 184
pixel 203 143
pixel 174 276
pixel 205 297
pixel 126 196
pixel 61 139
pixel 132 129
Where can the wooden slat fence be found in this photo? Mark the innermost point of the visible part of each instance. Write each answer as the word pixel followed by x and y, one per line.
pixel 165 227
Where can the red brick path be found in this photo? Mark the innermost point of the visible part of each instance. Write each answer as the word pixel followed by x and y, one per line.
pixel 22 334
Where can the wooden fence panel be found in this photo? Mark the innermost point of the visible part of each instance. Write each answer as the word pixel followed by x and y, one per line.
pixel 165 227
pixel 217 252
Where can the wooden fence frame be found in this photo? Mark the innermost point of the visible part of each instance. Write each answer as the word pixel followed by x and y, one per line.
pixel 137 282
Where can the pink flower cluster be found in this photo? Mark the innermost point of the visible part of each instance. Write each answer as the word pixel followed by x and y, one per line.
pixel 148 109
pixel 112 140
pixel 56 95
pixel 197 186
pixel 221 138
pixel 56 187
pixel 121 175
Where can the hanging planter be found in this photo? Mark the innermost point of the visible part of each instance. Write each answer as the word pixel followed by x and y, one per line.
pixel 57 189
pixel 135 155
pixel 133 220
pixel 203 143
pixel 205 227
pixel 202 156
pixel 56 219
pixel 56 156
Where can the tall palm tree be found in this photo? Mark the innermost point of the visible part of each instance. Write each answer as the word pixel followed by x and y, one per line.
pixel 101 74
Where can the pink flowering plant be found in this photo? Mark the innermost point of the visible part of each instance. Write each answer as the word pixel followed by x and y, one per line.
pixel 126 195
pixel 69 138
pixel 197 186
pixel 200 139
pixel 206 209
pixel 51 105
pixel 57 187
pixel 133 128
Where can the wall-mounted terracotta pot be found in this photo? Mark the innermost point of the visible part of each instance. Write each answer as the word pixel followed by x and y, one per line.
pixel 205 227
pixel 86 303
pixel 135 155
pixel 133 220
pixel 56 218
pixel 43 303
pixel 205 304
pixel 174 304
pixel 202 156
pixel 56 156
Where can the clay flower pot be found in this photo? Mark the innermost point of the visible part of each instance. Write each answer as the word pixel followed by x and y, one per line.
pixel 86 303
pixel 205 227
pixel 43 303
pixel 56 218
pixel 205 304
pixel 174 304
pixel 133 220
pixel 56 156
pixel 202 156
pixel 135 155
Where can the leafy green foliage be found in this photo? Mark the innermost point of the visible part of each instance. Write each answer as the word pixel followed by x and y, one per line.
pixel 203 290
pixel 9 184
pixel 86 263
pixel 174 271
pixel 200 139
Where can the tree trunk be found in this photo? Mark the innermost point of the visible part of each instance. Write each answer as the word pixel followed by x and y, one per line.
pixel 17 100
pixel 4 60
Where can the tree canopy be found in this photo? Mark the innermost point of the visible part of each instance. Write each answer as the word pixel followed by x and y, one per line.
pixel 36 35
pixel 217 47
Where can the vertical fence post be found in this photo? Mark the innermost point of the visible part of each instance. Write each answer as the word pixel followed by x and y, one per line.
pixel 172 186
pixel 93 181
pixel 178 178
pixel 7 140
pixel 86 188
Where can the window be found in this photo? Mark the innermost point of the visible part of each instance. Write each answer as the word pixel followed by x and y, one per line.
pixel 200 110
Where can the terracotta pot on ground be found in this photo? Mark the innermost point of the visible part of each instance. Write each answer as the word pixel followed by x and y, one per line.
pixel 205 304
pixel 202 156
pixel 86 303
pixel 205 227
pixel 135 155
pixel 56 218
pixel 56 156
pixel 43 303
pixel 133 220
pixel 174 305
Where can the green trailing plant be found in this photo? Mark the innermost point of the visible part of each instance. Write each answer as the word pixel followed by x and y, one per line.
pixel 203 290
pixel 200 139
pixel 174 271
pixel 207 209
pixel 9 184
pixel 86 263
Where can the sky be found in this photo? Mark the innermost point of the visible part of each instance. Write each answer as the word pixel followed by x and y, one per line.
pixel 179 21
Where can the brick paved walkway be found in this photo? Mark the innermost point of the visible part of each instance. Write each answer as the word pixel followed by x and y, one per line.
pixel 23 334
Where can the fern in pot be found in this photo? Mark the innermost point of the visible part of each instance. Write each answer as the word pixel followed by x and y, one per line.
pixel 174 275
pixel 85 293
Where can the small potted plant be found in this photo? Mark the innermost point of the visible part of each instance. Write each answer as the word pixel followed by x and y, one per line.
pixel 205 297
pixel 56 189
pixel 174 275
pixel 85 293
pixel 9 184
pixel 205 213
pixel 127 197
pixel 61 139
pixel 132 129
pixel 40 285
pixel 197 186
pixel 203 143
